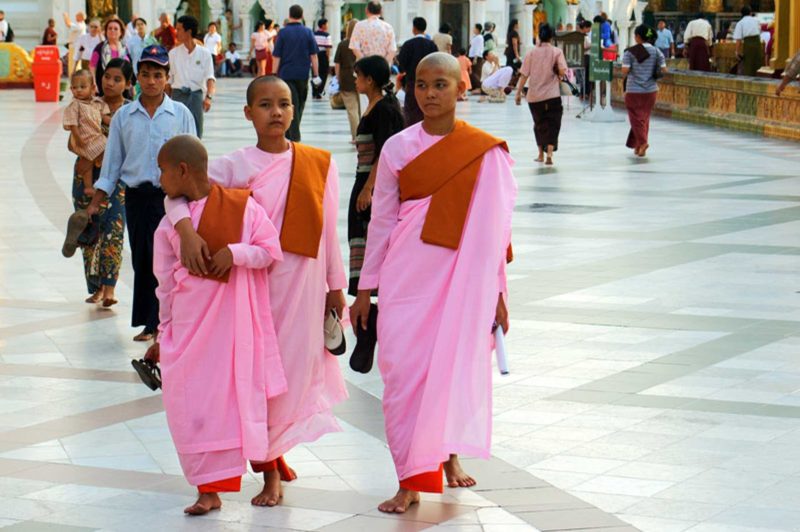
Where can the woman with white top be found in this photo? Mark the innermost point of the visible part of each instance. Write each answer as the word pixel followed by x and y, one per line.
pixel 261 45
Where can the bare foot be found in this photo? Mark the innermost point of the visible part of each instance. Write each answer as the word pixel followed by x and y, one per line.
pixel 205 503
pixel 539 159
pixel 95 298
pixel 549 161
pixel 400 503
pixel 143 336
pixel 643 150
pixel 456 478
pixel 272 493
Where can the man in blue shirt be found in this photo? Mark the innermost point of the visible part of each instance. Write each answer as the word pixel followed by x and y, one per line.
pixel 137 132
pixel 664 40
pixel 294 55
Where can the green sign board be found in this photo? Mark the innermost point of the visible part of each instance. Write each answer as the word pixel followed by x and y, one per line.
pixel 599 69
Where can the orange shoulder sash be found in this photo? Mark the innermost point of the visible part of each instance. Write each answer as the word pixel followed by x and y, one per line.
pixel 448 171
pixel 302 221
pixel 222 220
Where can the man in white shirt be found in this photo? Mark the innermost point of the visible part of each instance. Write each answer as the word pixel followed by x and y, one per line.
pixel 697 39
pixel 475 54
pixel 76 29
pixel 232 67
pixel 191 72
pixel 749 49
pixel 374 36
pixel 86 45
pixel 496 84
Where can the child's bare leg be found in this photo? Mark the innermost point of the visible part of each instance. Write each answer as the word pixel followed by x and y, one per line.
pixel 86 169
pixel 205 503
pixel 400 503
pixel 456 477
pixel 272 493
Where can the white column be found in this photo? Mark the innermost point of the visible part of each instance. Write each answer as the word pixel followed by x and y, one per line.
pixel 526 29
pixel 477 13
pixel 390 15
pixel 243 7
pixel 430 12
pixel 402 28
pixel 572 14
pixel 333 12
pixel 638 11
pixel 215 8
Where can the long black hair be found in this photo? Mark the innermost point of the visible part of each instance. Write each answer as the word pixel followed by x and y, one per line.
pixel 124 67
pixel 376 67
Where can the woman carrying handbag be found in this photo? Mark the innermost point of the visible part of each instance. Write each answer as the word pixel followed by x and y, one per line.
pixel 544 68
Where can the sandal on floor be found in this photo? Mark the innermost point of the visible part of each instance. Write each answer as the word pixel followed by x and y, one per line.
pixel 364 352
pixel 149 372
pixel 143 337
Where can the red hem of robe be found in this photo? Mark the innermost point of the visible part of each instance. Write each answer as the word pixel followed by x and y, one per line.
pixel 287 474
pixel 429 482
pixel 228 484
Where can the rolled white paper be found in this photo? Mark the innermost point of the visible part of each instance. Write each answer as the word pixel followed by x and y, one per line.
pixel 500 351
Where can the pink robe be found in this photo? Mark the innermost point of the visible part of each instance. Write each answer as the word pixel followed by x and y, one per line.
pixel 437 307
pixel 298 287
pixel 219 350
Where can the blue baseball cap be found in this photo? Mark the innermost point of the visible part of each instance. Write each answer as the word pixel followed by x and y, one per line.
pixel 155 54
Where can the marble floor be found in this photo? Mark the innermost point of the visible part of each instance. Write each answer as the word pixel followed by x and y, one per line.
pixel 654 349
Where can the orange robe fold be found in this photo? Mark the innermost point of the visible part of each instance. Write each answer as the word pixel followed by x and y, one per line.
pixel 447 171
pixel 222 219
pixel 302 221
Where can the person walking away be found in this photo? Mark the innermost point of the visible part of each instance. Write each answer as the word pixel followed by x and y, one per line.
pixel 513 45
pixel 381 120
pixel 466 70
pixel 374 36
pixel 343 62
pixel 664 40
pixel 76 30
pixel 444 39
pixel 489 42
pixel 191 73
pixel 136 135
pixel 640 66
pixel 295 54
pixel 411 53
pixel 749 49
pixel 543 68
pixel 697 39
pixel 324 43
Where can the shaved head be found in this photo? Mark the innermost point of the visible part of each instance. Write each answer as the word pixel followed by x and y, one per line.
pixel 441 61
pixel 269 79
pixel 185 149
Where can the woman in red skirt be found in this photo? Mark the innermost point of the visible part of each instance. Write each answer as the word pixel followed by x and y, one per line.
pixel 642 64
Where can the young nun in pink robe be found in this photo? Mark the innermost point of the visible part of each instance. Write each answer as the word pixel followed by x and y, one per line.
pixel 305 283
pixel 440 286
pixel 216 340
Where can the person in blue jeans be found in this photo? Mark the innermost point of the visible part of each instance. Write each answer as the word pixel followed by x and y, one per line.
pixel 294 55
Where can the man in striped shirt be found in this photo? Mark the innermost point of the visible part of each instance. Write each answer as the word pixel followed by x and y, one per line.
pixel 324 43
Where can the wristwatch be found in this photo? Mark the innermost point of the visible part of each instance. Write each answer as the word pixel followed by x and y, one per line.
pixel 209 98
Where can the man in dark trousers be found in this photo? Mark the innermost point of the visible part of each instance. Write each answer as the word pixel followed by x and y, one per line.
pixel 411 53
pixel 324 44
pixel 294 55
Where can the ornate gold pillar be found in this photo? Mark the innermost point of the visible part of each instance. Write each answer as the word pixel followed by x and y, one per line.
pixel 787 32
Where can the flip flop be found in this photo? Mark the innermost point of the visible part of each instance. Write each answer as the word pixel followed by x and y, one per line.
pixel 76 223
pixel 364 352
pixel 149 372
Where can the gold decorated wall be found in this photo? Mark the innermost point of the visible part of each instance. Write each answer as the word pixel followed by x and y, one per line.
pixel 15 66
pixel 722 100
